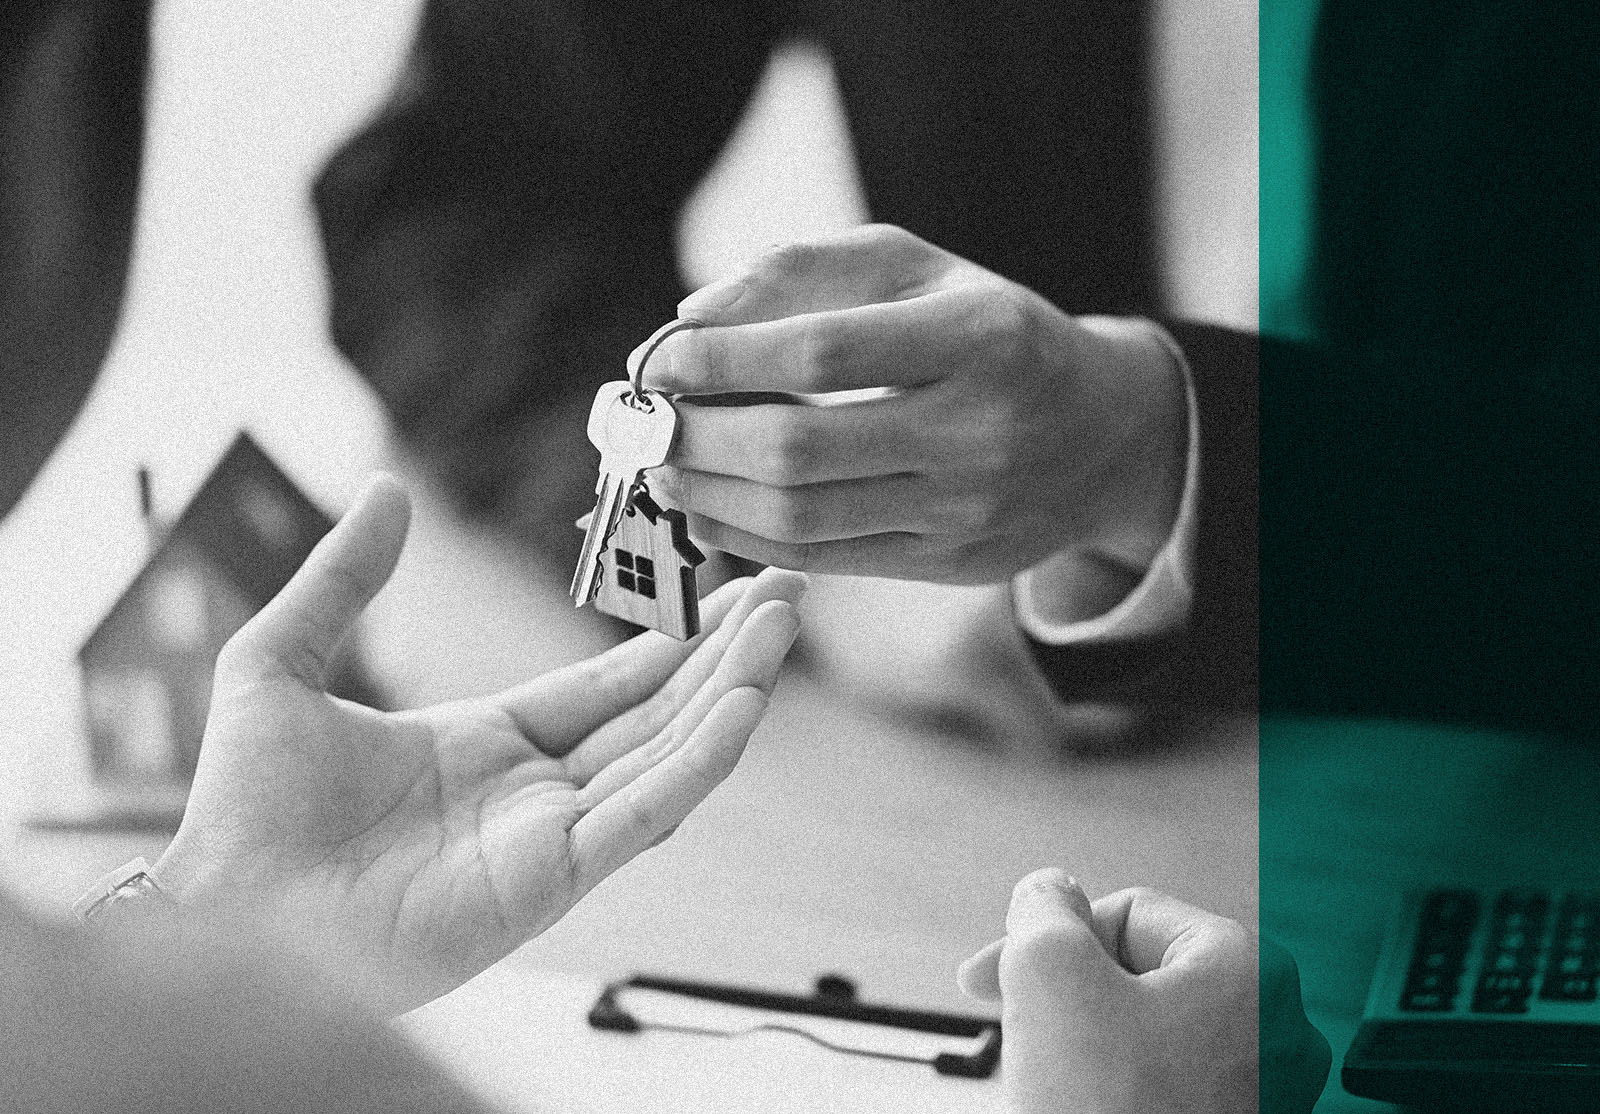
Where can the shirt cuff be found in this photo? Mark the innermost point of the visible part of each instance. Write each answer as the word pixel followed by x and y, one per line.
pixel 1161 601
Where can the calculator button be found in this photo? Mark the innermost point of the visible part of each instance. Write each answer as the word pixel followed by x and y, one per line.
pixel 1499 1003
pixel 1568 988
pixel 1566 963
pixel 1426 1002
pixel 1576 943
pixel 1432 982
pixel 1506 984
pixel 1438 960
pixel 1505 963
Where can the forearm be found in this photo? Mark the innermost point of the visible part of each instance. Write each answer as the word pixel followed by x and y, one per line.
pixel 155 1010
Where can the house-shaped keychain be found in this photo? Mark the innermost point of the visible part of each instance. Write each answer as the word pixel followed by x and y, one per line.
pixel 647 569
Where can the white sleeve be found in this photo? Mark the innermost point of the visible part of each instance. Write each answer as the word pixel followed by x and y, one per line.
pixel 1160 602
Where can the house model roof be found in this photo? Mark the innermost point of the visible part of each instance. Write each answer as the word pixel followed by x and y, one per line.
pixel 248 519
pixel 655 512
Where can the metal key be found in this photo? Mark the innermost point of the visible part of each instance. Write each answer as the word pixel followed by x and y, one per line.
pixel 633 431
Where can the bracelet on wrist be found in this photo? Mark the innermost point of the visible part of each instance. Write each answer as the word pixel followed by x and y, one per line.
pixel 130 882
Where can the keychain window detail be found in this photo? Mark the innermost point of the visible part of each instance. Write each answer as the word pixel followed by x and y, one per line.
pixel 636 574
pixel 648 569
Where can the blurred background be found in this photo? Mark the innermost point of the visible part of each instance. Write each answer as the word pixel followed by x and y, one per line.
pixel 224 329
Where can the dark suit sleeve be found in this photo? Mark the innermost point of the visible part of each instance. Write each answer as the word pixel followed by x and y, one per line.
pixel 501 235
pixel 71 124
pixel 1427 541
pixel 1429 538
pixel 1211 660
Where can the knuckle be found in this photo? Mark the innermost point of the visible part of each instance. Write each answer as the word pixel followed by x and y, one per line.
pixel 640 821
pixel 794 452
pixel 825 350
pixel 1143 896
pixel 999 322
pixel 794 518
pixel 796 557
pixel 794 258
pixel 991 441
pixel 238 656
pixel 683 363
pixel 710 765
pixel 672 483
pixel 879 234
pixel 971 516
pixel 924 557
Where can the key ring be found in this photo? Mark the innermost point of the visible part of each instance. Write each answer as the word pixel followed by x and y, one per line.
pixel 636 397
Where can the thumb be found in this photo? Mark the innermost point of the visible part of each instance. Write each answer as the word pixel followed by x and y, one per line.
pixel 1051 949
pixel 299 630
pixel 1039 901
pixel 1045 899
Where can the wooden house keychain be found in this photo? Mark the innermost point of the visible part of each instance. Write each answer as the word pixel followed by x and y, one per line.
pixel 637 562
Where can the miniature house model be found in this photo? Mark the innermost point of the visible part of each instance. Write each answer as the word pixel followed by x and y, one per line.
pixel 648 568
pixel 147 667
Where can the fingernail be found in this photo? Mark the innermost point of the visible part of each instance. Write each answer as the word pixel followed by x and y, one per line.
pixel 788 616
pixel 801 582
pixel 1079 901
pixel 712 299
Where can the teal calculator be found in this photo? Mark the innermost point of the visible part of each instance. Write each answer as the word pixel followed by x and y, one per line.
pixel 1485 1000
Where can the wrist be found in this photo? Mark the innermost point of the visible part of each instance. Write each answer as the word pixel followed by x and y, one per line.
pixel 1143 384
pixel 193 880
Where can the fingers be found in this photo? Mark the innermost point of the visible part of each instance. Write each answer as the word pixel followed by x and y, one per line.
pixel 1045 899
pixel 899 343
pixel 1147 930
pixel 558 710
pixel 679 699
pixel 623 818
pixel 979 976
pixel 1049 913
pixel 802 442
pixel 811 513
pixel 1294 1056
pixel 871 263
pixel 1051 951
pixel 299 630
pixel 904 555
pixel 752 658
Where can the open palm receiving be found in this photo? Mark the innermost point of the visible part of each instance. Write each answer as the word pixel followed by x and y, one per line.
pixel 411 850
